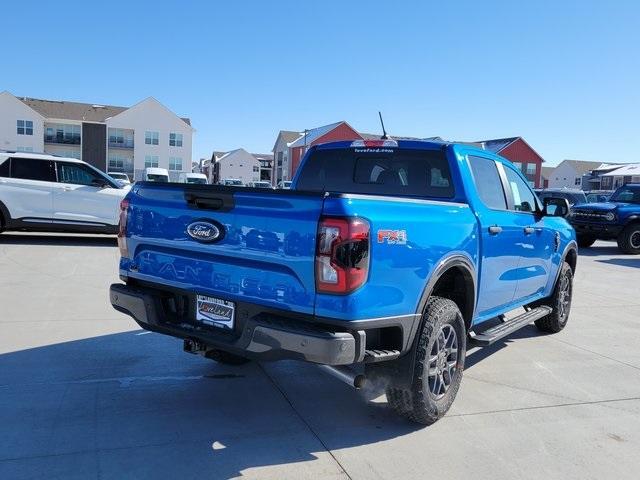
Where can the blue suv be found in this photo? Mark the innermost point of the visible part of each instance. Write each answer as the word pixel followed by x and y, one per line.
pixel 618 219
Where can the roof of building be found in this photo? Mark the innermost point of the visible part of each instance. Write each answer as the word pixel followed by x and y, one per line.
pixel 496 145
pixel 632 169
pixel 76 110
pixel 545 172
pixel 378 136
pixel 263 156
pixel 314 134
pixel 581 166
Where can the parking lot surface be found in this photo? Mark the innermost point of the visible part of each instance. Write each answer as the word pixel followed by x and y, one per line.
pixel 84 393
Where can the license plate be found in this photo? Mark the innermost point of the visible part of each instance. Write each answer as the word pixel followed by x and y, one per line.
pixel 215 311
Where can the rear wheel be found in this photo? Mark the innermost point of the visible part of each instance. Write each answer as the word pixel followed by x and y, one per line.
pixel 438 365
pixel 559 301
pixel 629 239
pixel 226 358
pixel 585 241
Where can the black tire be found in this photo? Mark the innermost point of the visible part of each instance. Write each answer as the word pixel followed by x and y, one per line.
pixel 226 358
pixel 629 239
pixel 559 301
pixel 418 402
pixel 585 241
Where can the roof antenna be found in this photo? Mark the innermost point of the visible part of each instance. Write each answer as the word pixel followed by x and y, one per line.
pixel 384 132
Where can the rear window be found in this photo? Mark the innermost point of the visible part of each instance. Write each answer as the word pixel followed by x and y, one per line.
pixel 387 171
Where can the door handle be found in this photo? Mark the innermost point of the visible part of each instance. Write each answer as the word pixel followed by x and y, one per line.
pixel 529 230
pixel 495 229
pixel 66 189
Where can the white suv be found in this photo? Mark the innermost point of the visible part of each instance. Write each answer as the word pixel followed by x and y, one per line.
pixel 41 192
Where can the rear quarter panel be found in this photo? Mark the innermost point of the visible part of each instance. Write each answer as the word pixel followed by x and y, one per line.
pixel 399 272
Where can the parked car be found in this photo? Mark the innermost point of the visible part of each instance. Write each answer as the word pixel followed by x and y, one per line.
pixel 188 177
pixel 40 192
pixel 154 174
pixel 232 182
pixel 618 219
pixel 573 196
pixel 284 184
pixel 261 184
pixel 596 196
pixel 386 254
pixel 120 177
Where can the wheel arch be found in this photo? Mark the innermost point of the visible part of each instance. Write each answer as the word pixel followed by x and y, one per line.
pixel 454 277
pixel 5 216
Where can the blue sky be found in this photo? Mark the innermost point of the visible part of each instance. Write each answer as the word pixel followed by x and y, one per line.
pixel 564 75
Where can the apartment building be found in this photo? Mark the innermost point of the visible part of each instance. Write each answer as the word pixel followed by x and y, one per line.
pixel 112 138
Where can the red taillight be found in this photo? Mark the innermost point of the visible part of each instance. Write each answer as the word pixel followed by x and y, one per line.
pixel 342 254
pixel 122 229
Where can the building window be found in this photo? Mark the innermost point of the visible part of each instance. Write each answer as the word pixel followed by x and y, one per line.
pixel 116 163
pixel 518 165
pixel 531 168
pixel 61 133
pixel 175 139
pixel 150 161
pixel 280 157
pixel 175 163
pixel 25 149
pixel 151 138
pixel 578 181
pixel 256 168
pixel 24 127
pixel 119 137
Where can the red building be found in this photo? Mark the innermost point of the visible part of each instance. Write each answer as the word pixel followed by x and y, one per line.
pixel 520 154
pixel 328 133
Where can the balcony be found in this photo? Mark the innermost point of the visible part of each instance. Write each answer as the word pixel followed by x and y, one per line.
pixel 60 134
pixel 120 144
pixel 120 138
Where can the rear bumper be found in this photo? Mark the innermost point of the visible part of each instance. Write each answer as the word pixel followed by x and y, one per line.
pixel 258 334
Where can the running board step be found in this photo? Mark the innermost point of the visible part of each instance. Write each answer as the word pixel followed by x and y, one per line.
pixel 502 330
pixel 373 356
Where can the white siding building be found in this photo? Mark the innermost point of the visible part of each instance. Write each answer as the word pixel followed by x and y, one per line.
pixel 239 164
pixel 569 173
pixel 119 139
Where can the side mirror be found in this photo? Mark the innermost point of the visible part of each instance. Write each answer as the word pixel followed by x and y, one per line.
pixel 556 207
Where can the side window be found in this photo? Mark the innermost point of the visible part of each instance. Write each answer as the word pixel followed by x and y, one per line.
pixel 76 173
pixel 487 181
pixel 4 167
pixel 32 169
pixel 523 198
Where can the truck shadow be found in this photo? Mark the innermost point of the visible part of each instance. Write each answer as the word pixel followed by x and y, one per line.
pixel 58 240
pixel 595 250
pixel 134 405
pixel 623 262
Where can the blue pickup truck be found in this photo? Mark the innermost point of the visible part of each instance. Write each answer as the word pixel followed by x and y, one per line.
pixel 617 219
pixel 386 255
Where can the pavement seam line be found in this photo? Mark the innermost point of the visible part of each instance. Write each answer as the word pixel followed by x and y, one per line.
pixel 541 407
pixel 302 419
pixel 596 353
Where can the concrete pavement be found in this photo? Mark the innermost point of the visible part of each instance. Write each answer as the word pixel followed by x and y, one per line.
pixel 84 393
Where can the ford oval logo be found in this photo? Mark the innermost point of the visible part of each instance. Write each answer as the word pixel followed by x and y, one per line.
pixel 204 231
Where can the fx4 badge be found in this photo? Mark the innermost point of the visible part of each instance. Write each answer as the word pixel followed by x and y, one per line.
pixel 392 237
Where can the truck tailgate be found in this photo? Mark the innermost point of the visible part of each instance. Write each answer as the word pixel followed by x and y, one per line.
pixel 264 254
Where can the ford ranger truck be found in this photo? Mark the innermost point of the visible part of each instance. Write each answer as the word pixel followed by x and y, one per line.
pixel 618 219
pixel 387 255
